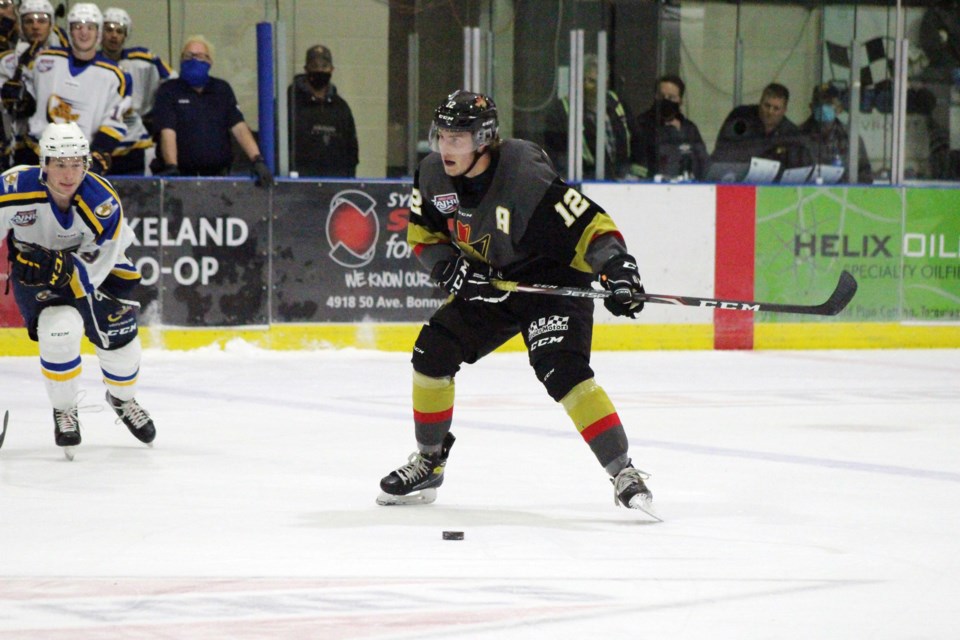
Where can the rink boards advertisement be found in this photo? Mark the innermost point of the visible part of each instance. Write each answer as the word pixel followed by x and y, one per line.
pixel 222 253
pixel 225 253
pixel 202 248
pixel 902 246
pixel 341 255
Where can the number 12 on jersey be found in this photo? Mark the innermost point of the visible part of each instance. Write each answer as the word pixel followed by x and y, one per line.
pixel 575 203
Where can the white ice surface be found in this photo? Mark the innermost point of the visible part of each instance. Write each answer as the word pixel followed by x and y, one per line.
pixel 806 495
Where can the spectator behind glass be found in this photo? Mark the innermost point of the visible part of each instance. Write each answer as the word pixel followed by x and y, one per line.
pixel 323 136
pixel 617 122
pixel 828 139
pixel 762 131
pixel 196 114
pixel 37 32
pixel 667 143
pixel 147 72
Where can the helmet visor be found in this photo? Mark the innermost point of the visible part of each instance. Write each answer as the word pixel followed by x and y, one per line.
pixel 455 141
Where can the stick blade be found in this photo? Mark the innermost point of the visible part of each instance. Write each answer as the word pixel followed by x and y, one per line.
pixel 3 429
pixel 842 295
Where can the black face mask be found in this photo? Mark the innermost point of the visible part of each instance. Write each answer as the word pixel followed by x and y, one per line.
pixel 318 79
pixel 668 109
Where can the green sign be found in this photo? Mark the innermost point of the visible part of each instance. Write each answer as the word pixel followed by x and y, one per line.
pixel 902 246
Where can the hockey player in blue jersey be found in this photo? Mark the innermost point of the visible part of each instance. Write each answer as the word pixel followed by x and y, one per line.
pixel 66 237
pixel 147 72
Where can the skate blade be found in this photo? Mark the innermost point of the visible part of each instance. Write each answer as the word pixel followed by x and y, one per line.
pixel 424 496
pixel 643 503
pixel 69 452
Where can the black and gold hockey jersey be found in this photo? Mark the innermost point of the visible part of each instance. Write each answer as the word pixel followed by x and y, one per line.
pixel 519 216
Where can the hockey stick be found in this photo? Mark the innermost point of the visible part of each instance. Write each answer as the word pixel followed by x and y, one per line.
pixel 3 429
pixel 841 296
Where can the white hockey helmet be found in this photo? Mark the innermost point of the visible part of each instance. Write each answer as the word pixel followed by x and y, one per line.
pixel 120 17
pixel 35 6
pixel 63 141
pixel 86 12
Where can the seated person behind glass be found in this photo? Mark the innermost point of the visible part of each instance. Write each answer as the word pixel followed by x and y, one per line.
pixel 763 131
pixel 828 139
pixel 617 121
pixel 667 143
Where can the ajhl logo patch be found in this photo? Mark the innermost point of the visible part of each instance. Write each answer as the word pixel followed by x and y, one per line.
pixel 446 202
pixel 352 228
pixel 25 218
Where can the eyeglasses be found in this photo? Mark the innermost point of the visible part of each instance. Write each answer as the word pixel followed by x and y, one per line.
pixel 6 3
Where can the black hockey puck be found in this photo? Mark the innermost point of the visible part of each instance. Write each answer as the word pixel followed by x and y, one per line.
pixel 453 535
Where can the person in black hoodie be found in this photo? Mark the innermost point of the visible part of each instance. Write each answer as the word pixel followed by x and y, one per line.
pixel 323 136
pixel 667 143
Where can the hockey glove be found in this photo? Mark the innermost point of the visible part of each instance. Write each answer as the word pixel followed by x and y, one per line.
pixel 41 267
pixel 468 281
pixel 100 162
pixel 16 100
pixel 621 276
pixel 262 172
pixel 168 171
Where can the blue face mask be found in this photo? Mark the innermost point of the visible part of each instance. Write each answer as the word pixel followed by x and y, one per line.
pixel 195 72
pixel 825 113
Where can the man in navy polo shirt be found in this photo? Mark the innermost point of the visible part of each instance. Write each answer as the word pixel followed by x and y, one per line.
pixel 196 114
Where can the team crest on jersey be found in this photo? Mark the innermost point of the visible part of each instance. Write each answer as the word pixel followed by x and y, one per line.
pixel 60 110
pixel 105 210
pixel 44 65
pixel 481 245
pixel 25 218
pixel 446 202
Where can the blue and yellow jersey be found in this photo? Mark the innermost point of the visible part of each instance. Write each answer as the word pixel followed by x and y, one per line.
pixel 92 227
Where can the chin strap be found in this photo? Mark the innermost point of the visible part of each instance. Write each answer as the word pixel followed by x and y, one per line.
pixel 476 157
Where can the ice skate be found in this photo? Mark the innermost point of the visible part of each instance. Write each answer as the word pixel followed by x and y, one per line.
pixel 416 482
pixel 630 491
pixel 136 418
pixel 66 430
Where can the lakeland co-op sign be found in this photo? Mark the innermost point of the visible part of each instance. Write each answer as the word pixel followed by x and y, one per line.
pixel 201 232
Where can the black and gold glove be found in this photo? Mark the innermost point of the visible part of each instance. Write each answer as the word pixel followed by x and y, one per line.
pixel 41 267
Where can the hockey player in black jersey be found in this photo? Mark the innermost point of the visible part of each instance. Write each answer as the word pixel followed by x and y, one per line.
pixel 485 208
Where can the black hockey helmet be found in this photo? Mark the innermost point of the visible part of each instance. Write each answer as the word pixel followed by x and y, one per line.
pixel 466 111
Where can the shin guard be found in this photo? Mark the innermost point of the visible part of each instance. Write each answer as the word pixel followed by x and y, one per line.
pixel 432 410
pixel 593 414
pixel 120 369
pixel 59 331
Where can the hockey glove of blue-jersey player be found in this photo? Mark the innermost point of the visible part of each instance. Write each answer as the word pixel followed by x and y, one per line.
pixel 621 276
pixel 41 267
pixel 467 280
pixel 16 100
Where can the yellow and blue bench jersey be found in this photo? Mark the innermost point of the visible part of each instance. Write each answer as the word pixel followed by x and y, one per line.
pixel 92 228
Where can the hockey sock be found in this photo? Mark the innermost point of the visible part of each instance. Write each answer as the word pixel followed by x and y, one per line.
pixel 59 330
pixel 120 368
pixel 432 410
pixel 593 414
